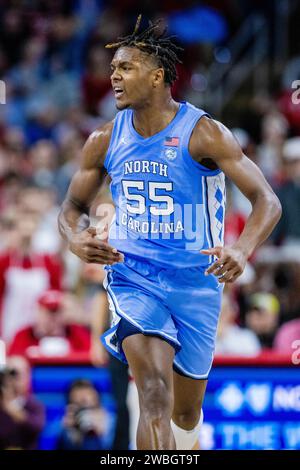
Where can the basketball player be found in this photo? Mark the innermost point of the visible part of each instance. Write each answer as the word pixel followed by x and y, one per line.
pixel 165 260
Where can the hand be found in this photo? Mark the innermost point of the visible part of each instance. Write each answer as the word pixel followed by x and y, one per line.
pixel 230 264
pixel 13 409
pixel 87 246
pixel 69 417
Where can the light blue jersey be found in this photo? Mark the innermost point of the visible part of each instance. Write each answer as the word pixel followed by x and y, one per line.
pixel 168 207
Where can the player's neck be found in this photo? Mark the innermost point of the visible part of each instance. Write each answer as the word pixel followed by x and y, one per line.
pixel 155 117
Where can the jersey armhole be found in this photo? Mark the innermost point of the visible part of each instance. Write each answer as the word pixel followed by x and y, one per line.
pixel 188 157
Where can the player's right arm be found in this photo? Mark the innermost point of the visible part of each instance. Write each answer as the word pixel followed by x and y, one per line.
pixel 83 189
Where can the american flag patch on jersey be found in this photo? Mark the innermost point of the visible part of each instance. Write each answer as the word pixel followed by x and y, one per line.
pixel 171 141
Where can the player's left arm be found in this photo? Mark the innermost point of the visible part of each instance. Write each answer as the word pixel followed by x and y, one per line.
pixel 213 140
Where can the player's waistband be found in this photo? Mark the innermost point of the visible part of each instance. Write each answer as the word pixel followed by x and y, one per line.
pixel 151 267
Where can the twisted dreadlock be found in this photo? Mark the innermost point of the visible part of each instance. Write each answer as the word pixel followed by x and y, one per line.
pixel 164 50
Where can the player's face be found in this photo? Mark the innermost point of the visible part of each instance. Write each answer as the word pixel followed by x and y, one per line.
pixel 133 78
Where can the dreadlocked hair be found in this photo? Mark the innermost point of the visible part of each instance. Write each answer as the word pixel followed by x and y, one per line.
pixel 158 45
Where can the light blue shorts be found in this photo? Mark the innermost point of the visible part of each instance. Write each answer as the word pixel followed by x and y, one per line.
pixel 181 306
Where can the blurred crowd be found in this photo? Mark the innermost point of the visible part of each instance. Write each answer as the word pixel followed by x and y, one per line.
pixel 56 73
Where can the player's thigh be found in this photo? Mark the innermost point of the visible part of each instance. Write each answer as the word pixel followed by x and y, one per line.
pixel 188 398
pixel 150 359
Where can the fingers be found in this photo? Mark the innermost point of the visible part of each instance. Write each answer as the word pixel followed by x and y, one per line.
pixel 90 249
pixel 100 258
pixel 213 268
pixel 215 251
pixel 233 277
pixel 99 240
pixel 101 245
pixel 218 267
pixel 225 269
pixel 98 255
pixel 228 266
pixel 229 276
pixel 94 249
pixel 208 251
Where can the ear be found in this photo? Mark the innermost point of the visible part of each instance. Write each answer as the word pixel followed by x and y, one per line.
pixel 158 77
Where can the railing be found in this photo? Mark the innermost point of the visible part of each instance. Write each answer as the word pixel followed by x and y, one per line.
pixel 250 57
pixel 267 358
pixel 248 49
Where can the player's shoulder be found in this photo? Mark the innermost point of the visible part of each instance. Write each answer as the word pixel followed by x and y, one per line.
pixel 211 129
pixel 100 137
pixel 209 135
pixel 96 145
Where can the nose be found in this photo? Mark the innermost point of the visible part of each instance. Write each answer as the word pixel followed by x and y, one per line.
pixel 115 75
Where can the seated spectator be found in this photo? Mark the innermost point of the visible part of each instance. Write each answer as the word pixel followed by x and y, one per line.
pixel 288 229
pixel 50 334
pixel 24 274
pixel 231 338
pixel 95 82
pixel 22 416
pixel 262 317
pixel 287 336
pixel 274 131
pixel 86 425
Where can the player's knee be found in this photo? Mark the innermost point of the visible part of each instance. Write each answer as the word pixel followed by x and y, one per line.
pixel 188 417
pixel 155 396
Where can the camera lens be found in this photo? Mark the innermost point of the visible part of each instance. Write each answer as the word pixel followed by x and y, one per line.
pixel 85 420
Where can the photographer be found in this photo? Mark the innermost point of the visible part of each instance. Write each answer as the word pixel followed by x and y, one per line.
pixel 86 425
pixel 21 414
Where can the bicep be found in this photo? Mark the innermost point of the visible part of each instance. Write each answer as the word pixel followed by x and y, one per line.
pixel 84 186
pixel 87 180
pixel 218 143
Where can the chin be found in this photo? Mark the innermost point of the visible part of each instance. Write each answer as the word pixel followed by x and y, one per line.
pixel 121 106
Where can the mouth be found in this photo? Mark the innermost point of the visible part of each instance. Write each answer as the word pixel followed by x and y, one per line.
pixel 118 92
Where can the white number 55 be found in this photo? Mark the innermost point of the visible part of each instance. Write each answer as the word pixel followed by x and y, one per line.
pixel 153 186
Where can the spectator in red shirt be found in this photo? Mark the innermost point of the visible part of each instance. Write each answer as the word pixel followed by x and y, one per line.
pixel 24 275
pixel 51 335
